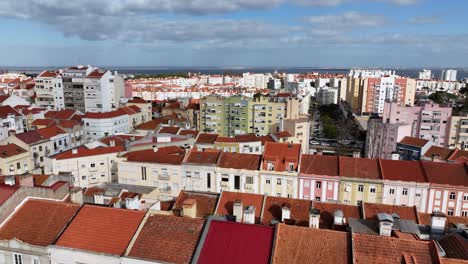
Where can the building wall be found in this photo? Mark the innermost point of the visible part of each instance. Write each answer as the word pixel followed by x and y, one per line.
pixel 49 92
pixel 195 177
pixel 406 194
pixel 458 132
pixel 279 184
pixel 28 253
pixel 318 188
pixel 103 127
pixel 350 191
pixel 226 178
pixel 439 199
pixel 17 164
pixel 61 255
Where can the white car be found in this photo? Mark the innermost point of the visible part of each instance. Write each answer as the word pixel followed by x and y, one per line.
pixel 314 143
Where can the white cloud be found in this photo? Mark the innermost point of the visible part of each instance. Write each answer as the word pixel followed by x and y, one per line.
pixel 424 20
pixel 345 21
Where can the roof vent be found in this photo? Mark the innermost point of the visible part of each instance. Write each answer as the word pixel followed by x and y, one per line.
pixel 74 151
pixel 385 224
pixel 285 213
pixel 314 218
pixel 249 215
pixel 237 210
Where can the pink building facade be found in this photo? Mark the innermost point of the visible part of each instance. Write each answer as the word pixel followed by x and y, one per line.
pixel 428 121
pixel 318 178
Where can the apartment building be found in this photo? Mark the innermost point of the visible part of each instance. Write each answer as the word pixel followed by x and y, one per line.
pixel 99 125
pixel 10 121
pixel 158 167
pixel 102 90
pixel 49 90
pixel 88 166
pixel 265 115
pixel 199 171
pixel 319 178
pixel 238 172
pixel 458 133
pixel 73 87
pixel 14 160
pixel 144 106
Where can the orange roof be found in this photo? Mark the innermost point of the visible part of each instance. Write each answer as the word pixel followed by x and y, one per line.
pixel 204 138
pixel 137 100
pixel 206 202
pixel 402 170
pixel 69 123
pixel 439 152
pixel 380 249
pixel 310 245
pixel 24 223
pixel 239 161
pixel 119 140
pixel 458 154
pixel 247 138
pixel 299 210
pixel 203 157
pixel 405 212
pixel 153 124
pixel 101 229
pixel 85 152
pixel 226 203
pixel 455 246
pixel 169 130
pixel 168 155
pixel 61 114
pixel 437 173
pixel 48 74
pixel 225 139
pixel 319 165
pixel 168 239
pixel 96 74
pixel 188 132
pixel 6 110
pixel 359 168
pixel 413 141
pixel 280 154
pixel 43 122
pixel 104 115
pixel 327 211
pixel 50 132
pixel 10 150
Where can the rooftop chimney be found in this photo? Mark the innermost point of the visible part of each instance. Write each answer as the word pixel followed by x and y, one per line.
pixel 155 149
pixel 338 218
pixel 75 151
pixel 314 218
pixel 112 143
pixel 189 208
pixel 76 195
pixel 10 180
pixel 285 213
pixel 237 210
pixel 249 215
pixel 438 220
pixel 385 224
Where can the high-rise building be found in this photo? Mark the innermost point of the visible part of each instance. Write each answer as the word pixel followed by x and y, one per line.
pixel 49 90
pixel 449 75
pixel 425 74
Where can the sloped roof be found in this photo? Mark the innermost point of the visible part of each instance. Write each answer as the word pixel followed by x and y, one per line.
pixel 359 168
pixel 203 157
pixel 6 110
pixel 204 138
pixel 402 170
pixel 414 141
pixel 85 152
pixel 239 161
pixel 455 246
pixel 437 173
pixel 167 155
pixel 10 150
pixel 281 154
pixel 206 202
pixel 319 165
pixel 226 203
pixel 299 210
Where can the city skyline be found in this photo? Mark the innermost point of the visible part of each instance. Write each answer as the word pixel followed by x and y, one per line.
pixel 315 33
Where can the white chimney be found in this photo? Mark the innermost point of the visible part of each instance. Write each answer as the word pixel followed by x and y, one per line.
pixel 155 149
pixel 249 215
pixel 385 224
pixel 338 218
pixel 112 143
pixel 314 218
pixel 395 156
pixel 285 213
pixel 438 220
pixel 74 151
pixel 237 210
pixel 189 208
pixel 10 180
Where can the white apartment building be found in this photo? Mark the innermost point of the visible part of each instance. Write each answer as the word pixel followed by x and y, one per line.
pixel 238 172
pixel 199 171
pixel 99 125
pixel 327 95
pixel 458 134
pixel 102 90
pixel 49 90
pixel 425 75
pixel 449 75
pixel 88 166
pixel 10 120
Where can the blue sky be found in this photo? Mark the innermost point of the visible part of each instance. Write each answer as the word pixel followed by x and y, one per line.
pixel 275 33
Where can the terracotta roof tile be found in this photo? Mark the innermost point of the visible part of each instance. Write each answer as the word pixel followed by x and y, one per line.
pixel 61 114
pixel 204 138
pixel 446 173
pixel 402 170
pixel 206 202
pixel 439 152
pixel 319 165
pixel 167 155
pixel 153 124
pixel 43 122
pixel 413 141
pixel 86 152
pixel 30 137
pixel 10 150
pixel 101 229
pixel 247 138
pixel 327 211
pixel 405 212
pixel 455 246
pixel 119 140
pixel 239 161
pixel 458 154
pixel 6 110
pixel 96 74
pixel 6 193
pixel 24 223
pixel 50 132
pixel 280 154
pixel 48 74
pixel 70 124
pixel 104 115
pixel 299 210
pixel 230 243
pixel 226 203
pixel 359 168
pixel 298 245
pixel 169 130
pixel 203 157
pixel 168 239
pixel 186 132
pixel 225 139
pixel 137 100
pixel 380 249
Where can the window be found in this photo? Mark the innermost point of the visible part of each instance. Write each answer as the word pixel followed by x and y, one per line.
pixel 18 165
pixel 452 196
pixel 372 190
pixel 208 180
pixel 143 173
pixel 405 191
pixel 391 191
pixel 102 163
pixel 17 258
pixel 83 166
pixel 318 185
pixel 267 181
pixel 360 188
pixel 225 178
pixel 465 197
pixel 83 178
pixel 93 165
pixel 278 181
pixel 249 180
pixel 450 212
pixel 418 195
pixel 317 199
pixel 270 166
pixel 188 174
pixel 464 213
pixel 40 148
pixel 35 260
pixel 237 182
pixel 291 166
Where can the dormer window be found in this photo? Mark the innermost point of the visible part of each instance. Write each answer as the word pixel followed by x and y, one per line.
pixel 270 166
pixel 291 166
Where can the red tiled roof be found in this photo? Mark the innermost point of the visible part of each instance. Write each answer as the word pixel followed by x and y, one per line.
pixel 327 211
pixel 402 170
pixel 96 74
pixel 281 154
pixel 439 152
pixel 137 100
pixel 43 122
pixel 359 168
pixel 188 132
pixel 380 249
pixel 111 114
pixel 39 179
pixel 206 202
pixel 6 193
pixel 225 139
pixel 169 130
pixel 204 138
pixel 282 134
pixel 130 110
pixel 153 124
pixel 226 203
pixel 299 210
pixel 119 140
pixel 168 239
pixel 30 137
pixel 50 132
pixel 68 123
pixel 3 97
pixel 445 173
pixel 32 225
pixel 239 161
pixel 319 165
pixel 10 150
pixel 455 246
pixel 458 154
pixel 229 243
pixel 203 157
pixel 297 245
pixel 413 141
pixel 405 212
pixel 91 191
pixel 167 155
pixel 85 152
pixel 6 110
pixel 247 138
pixel 48 74
pixel 266 139
pixel 101 229
pixel 61 114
